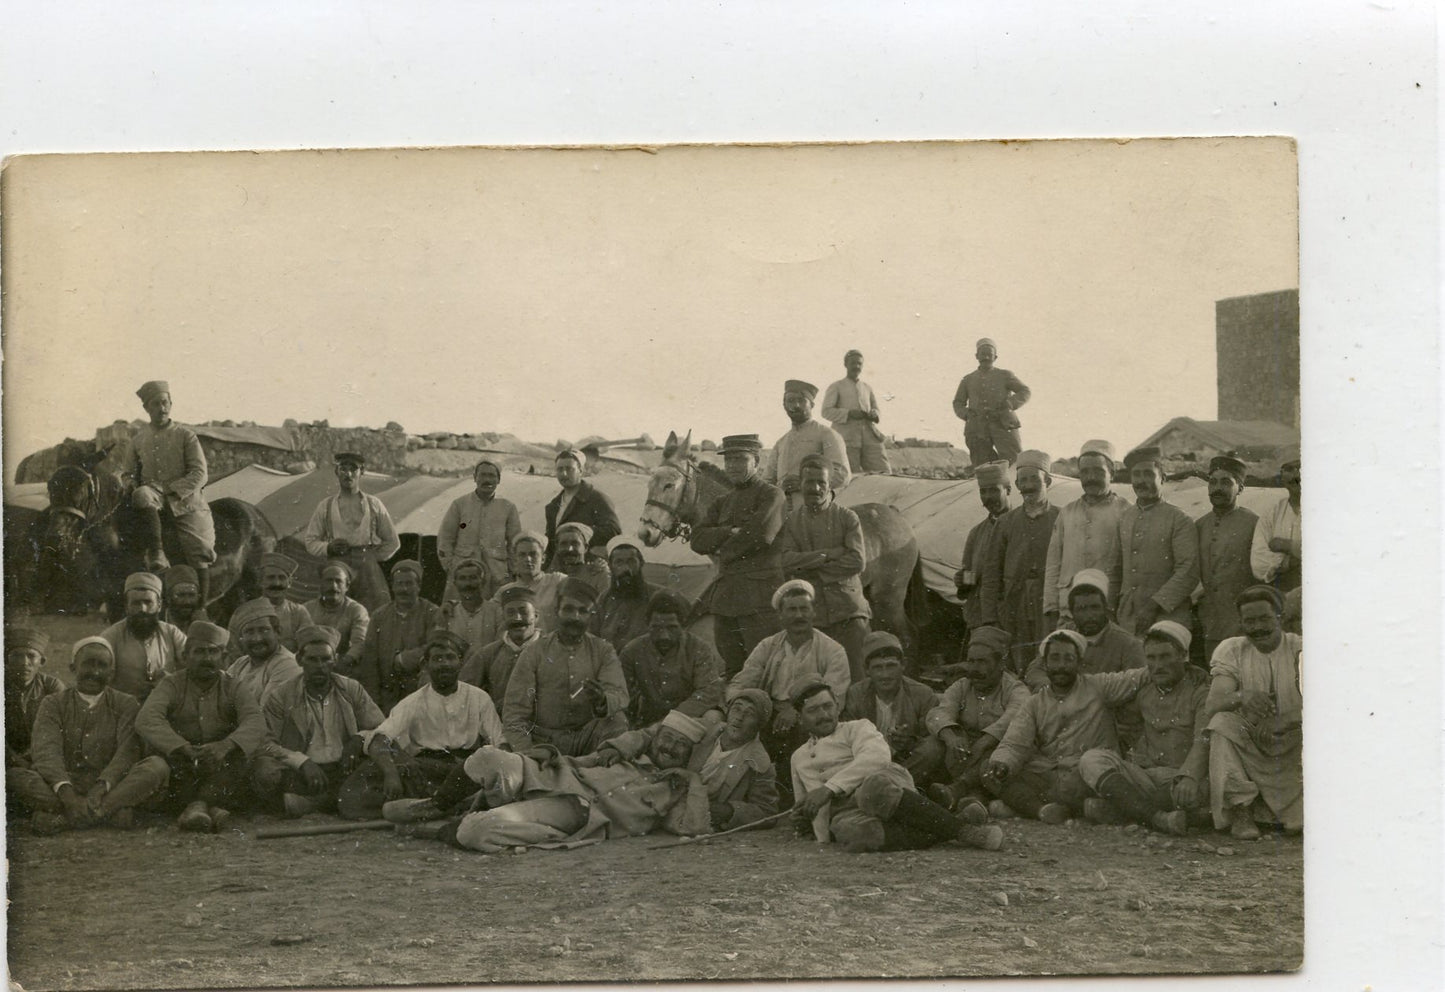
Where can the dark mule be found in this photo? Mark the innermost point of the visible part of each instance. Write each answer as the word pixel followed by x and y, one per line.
pixel 681 489
pixel 77 552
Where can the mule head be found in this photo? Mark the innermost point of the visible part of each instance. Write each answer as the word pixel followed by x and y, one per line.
pixel 668 508
pixel 675 451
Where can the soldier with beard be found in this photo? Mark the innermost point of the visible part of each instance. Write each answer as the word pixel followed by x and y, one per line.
pixel 490 666
pixel 566 690
pixel 668 668
pixel 337 610
pixel 182 598
pixel 1225 535
pixel 277 571
pixel 146 647
pixel 622 612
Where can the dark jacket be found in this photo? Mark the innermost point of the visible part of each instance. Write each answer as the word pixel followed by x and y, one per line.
pixel 591 507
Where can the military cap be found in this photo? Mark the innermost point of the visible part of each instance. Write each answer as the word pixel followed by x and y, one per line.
pixel 180 576
pixel 1147 455
pixel 991 474
pixel 349 458
pixel 143 580
pixel 1034 458
pixel 253 609
pixel 814 461
pixel 689 727
pixel 470 561
pixel 1090 578
pixel 275 559
pixel 623 541
pixel 799 386
pixel 741 442
pixel 1078 640
pixel 408 565
pixel 23 637
pixel 805 686
pixel 1230 464
pixel 86 642
pixel 574 588
pixel 573 453
pixel 996 639
pixel 1098 447
pixel 879 643
pixel 487 462
pixel 985 341
pixel 152 389
pixel 1258 593
pixel 516 592
pixel 205 632
pixel 760 701
pixel 851 352
pixel 314 633
pixel 441 636
pixel 1176 632
pixel 530 535
pixel 341 566
pixel 790 587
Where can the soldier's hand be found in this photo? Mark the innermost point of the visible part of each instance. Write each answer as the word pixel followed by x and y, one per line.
pixel 809 805
pixel 94 798
pixel 607 756
pixel 76 813
pixel 214 754
pixel 1256 705
pixel 391 787
pixel 995 771
pixel 337 547
pixel 1148 615
pixel 786 719
pixel 1279 545
pixel 313 777
pixel 1185 793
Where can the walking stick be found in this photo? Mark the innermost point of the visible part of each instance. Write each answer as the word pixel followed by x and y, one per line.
pixel 312 829
pixel 722 833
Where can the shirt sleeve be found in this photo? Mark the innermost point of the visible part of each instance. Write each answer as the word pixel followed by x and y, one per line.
pixel 1053 564
pixel 152 723
pixel 1018 741
pixel 513 526
pixel 360 625
pixel 1018 697
pixel 1018 393
pixel 871 753
pixel 758 531
pixel 127 745
pixel 945 714
pixel 194 480
pixel 990 583
pixel 1119 687
pixel 318 530
pixel 47 743
pixel 753 672
pixel 960 399
pixel 837 454
pixel 1262 561
pixel 492 730
pixel 609 673
pixel 447 533
pixel 385 531
pixel 832 411
pixel 273 711
pixel 835 668
pixel 250 729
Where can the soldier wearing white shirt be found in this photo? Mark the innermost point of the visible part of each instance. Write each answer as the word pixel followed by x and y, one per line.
pixel 850 406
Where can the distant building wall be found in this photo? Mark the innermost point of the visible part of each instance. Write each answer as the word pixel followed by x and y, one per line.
pixel 1257 353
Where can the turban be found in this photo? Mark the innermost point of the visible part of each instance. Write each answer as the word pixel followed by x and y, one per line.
pixel 1230 464
pixel 573 588
pixel 851 352
pixel 275 559
pixel 880 642
pixel 741 442
pixel 1034 458
pixel 792 586
pixel 349 458
pixel 467 562
pixel 579 527
pixel 180 576
pixel 85 642
pixel 25 638
pixel 339 566
pixel 1148 455
pixel 529 535
pixel 1098 448
pixel 760 701
pixel 516 592
pixel 1091 578
pixel 143 580
pixel 205 632
pixel 982 342
pixel 623 541
pixel 805 686
pixel 153 389
pixel 1077 639
pixel 317 634
pixel 996 639
pixel 253 609
pixel 685 725
pixel 799 386
pixel 991 474
pixel 440 636
pixel 1176 632
pixel 408 565
pixel 572 453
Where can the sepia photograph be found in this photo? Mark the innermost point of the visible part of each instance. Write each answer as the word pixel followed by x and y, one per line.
pixel 723 545
pixel 602 494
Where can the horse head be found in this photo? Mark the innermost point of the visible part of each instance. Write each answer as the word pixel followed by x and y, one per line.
pixel 671 494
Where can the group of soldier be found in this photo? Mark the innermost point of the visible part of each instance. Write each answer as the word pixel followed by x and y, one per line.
pixel 557 697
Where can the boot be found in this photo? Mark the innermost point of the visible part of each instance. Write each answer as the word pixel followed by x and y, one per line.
pixel 1126 797
pixel 926 817
pixel 943 795
pixel 989 838
pixel 203 583
pixel 1054 814
pixel 970 810
pixel 1175 822
pixel 1101 811
pixel 155 553
pixel 457 789
pixel 1243 826
pixel 195 817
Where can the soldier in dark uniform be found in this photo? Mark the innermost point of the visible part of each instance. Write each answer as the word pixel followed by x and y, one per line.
pixel 985 402
pixel 738 531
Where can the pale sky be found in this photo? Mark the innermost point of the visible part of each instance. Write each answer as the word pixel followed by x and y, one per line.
pixel 558 294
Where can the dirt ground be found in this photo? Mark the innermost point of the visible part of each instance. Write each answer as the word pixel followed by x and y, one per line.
pixel 160 909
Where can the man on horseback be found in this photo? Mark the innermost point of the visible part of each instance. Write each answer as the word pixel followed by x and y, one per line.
pixel 170 479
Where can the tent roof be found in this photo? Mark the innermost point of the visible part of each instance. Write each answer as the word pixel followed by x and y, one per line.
pixel 1226 435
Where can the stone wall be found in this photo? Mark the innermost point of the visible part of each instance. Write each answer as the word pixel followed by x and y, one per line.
pixel 1257 354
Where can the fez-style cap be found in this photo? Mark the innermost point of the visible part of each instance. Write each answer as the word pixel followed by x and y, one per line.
pixel 579 527
pixel 574 588
pixel 349 458
pixel 86 642
pixel 1230 464
pixel 687 726
pixel 760 701
pixel 1098 447
pixel 623 541
pixel 996 639
pixel 1257 593
pixel 1034 458
pixel 880 643
pixel 991 474
pixel 252 609
pixel 741 442
pixel 1176 632
pixel 1075 638
pixel 805 686
pixel 814 461
pixel 985 342
pixel 314 633
pixel 339 566
pixel 152 389
pixel 573 453
pixel 470 561
pixel 408 565
pixel 275 559
pixel 143 580
pixel 530 535
pixel 205 632
pixel 440 636
pixel 1090 578
pixel 516 592
pixel 23 637
pixel 851 353
pixel 790 587
pixel 799 386
pixel 1148 455
pixel 179 577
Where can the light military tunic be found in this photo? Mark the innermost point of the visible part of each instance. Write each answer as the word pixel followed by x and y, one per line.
pixel 1052 731
pixel 261 678
pixel 545 689
pixel 1159 550
pixel 808 438
pixel 1224 568
pixel 1086 535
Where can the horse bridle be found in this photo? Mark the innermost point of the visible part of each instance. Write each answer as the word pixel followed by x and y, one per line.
pixel 679 530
